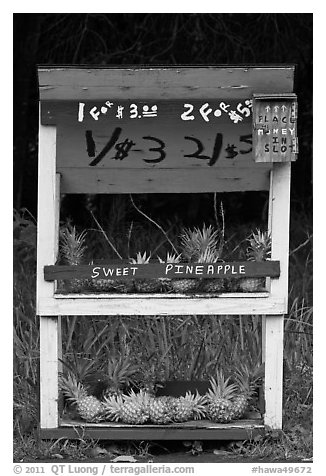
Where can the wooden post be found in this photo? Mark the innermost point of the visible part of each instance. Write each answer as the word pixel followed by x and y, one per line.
pixel 47 247
pixel 279 211
pixel 56 253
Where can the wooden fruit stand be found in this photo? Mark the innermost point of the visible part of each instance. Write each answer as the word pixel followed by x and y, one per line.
pixel 125 130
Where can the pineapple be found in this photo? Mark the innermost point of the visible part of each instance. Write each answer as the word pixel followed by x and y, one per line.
pixel 211 285
pixel 145 285
pixel 135 409
pixel 246 382
pixel 131 409
pixel 102 285
pixel 196 244
pixel 184 285
pixel 188 407
pixel 240 403
pixel 160 410
pixel 89 408
pixel 72 249
pixel 112 407
pixel 170 258
pixel 123 286
pixel 85 370
pixel 219 399
pixel 259 250
pixel 119 374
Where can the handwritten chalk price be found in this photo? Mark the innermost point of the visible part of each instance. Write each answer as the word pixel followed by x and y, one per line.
pixel 133 111
pixel 205 110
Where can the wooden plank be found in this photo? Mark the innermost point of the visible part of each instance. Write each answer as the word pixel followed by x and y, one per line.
pixel 275 128
pixel 197 295
pixel 49 372
pixel 151 306
pixel 127 271
pixel 273 371
pixel 175 148
pixel 47 248
pixel 57 214
pixel 280 225
pixel 47 228
pixel 263 338
pixel 273 340
pixel 242 430
pixel 146 113
pixel 191 424
pixel 165 141
pixel 162 154
pixel 65 83
pixel 92 181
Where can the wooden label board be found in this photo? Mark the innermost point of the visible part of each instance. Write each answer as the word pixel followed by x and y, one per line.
pixel 275 128
pixel 155 146
pixel 220 270
pixel 157 130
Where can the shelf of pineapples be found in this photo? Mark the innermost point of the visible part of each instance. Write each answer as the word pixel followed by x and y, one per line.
pixel 197 245
pixel 227 399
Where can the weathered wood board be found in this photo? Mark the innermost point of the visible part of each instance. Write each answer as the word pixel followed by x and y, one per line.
pixel 192 148
pixel 162 82
pixel 275 128
pixel 220 270
pixel 162 305
pixel 157 130
pixel 243 429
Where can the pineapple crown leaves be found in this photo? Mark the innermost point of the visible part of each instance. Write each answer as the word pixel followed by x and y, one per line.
pixel 196 402
pixel 71 388
pixel 209 256
pixel 221 387
pixel 247 378
pixel 259 248
pixel 140 259
pixel 195 241
pixel 170 258
pixel 142 397
pixel 119 371
pixel 113 401
pixel 80 367
pixel 112 407
pixel 72 245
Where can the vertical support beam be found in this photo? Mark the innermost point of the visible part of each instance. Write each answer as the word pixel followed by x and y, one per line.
pixel 47 247
pixel 280 226
pixel 47 211
pixel 49 372
pixel 268 280
pixel 56 254
pixel 263 338
pixel 273 371
pixel 279 221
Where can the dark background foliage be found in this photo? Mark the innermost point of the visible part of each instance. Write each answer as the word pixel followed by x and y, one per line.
pixel 165 38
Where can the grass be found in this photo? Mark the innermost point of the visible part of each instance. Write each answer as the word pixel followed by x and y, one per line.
pixel 167 348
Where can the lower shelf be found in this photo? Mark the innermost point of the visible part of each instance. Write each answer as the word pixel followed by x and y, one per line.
pixel 192 430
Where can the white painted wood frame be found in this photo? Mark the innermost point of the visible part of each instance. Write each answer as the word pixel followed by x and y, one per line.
pixel 47 248
pixel 272 339
pixel 50 307
pixel 160 305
